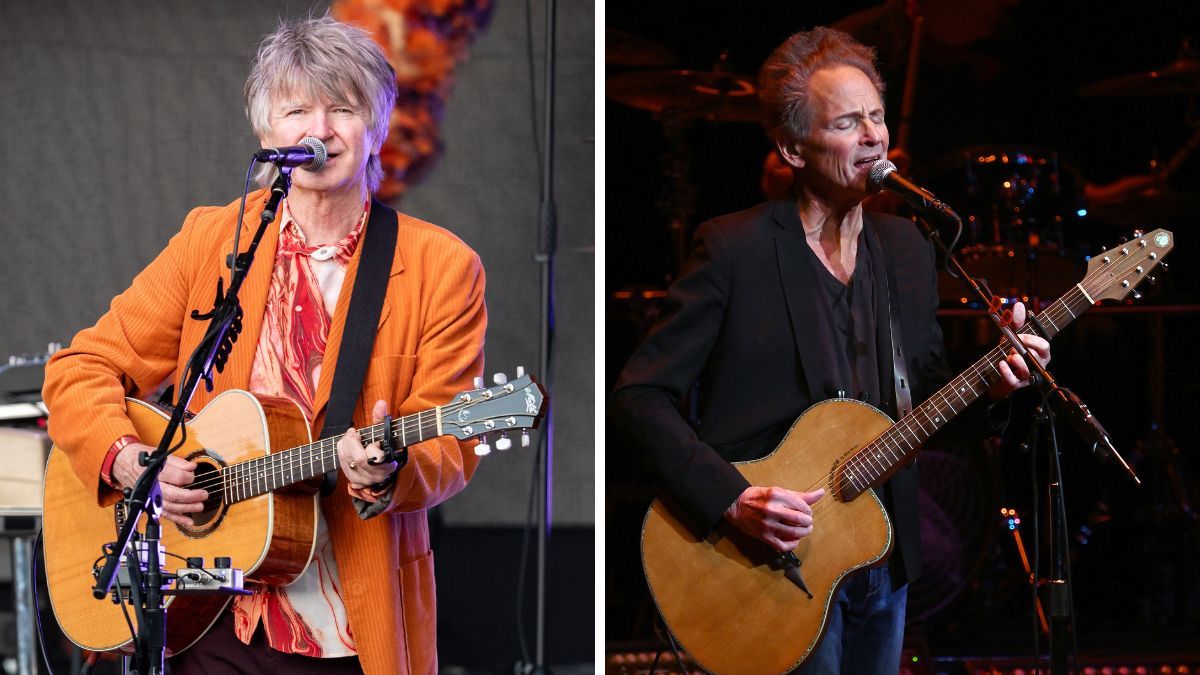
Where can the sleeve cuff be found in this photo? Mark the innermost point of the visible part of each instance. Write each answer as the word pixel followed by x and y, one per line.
pixel 117 447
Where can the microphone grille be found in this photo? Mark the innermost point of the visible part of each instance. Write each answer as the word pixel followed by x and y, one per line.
pixel 320 154
pixel 879 171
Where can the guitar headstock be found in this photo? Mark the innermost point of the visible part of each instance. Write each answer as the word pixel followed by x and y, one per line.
pixel 516 405
pixel 1113 274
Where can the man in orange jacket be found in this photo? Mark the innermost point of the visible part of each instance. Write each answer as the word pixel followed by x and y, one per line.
pixel 366 600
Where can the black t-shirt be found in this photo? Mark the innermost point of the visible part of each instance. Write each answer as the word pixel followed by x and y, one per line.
pixel 846 339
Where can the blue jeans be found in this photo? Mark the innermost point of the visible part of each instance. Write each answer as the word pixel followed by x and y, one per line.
pixel 866 628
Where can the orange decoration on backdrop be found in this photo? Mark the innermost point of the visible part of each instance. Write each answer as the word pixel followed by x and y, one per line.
pixel 424 40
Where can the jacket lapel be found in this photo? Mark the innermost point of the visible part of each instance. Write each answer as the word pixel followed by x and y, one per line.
pixel 799 284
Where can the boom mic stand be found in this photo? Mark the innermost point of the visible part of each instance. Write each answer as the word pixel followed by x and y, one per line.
pixel 1061 616
pixel 146 496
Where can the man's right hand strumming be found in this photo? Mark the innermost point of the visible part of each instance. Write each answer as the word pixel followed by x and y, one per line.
pixel 178 501
pixel 775 515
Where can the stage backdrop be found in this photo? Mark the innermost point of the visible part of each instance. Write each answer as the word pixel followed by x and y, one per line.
pixel 119 117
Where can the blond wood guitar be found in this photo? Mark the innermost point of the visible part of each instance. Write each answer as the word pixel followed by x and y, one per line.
pixel 732 602
pixel 259 513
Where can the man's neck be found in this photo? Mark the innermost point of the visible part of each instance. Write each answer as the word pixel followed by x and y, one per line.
pixel 832 233
pixel 326 217
pixel 829 224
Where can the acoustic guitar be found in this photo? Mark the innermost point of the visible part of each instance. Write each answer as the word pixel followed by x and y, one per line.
pixel 260 511
pixel 732 601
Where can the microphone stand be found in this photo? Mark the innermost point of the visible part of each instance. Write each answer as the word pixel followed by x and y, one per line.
pixel 547 243
pixel 146 495
pixel 1089 428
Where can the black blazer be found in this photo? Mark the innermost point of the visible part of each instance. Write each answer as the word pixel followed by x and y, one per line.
pixel 738 320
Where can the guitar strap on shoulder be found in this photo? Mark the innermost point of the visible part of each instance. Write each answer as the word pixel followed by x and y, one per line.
pixel 362 319
pixel 899 360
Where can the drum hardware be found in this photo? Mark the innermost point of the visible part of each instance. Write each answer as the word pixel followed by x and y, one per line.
pixel 716 96
pixel 1180 77
pixel 678 98
pixel 1022 213
pixel 627 49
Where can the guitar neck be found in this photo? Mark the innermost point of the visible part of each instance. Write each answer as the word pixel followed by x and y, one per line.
pixel 872 465
pixel 252 478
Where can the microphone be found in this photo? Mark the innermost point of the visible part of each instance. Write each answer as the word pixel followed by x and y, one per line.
pixel 310 155
pixel 1087 426
pixel 883 176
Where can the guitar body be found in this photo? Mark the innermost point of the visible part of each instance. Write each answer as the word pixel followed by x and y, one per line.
pixel 727 599
pixel 721 596
pixel 270 537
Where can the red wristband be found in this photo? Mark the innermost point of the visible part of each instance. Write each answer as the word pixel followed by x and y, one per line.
pixel 117 447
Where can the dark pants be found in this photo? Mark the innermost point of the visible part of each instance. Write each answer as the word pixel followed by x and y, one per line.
pixel 220 651
pixel 866 628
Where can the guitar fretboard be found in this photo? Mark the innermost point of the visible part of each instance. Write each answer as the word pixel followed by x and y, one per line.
pixel 875 462
pixel 254 477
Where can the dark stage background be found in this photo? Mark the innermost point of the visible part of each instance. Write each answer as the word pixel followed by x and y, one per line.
pixel 1015 85
pixel 121 116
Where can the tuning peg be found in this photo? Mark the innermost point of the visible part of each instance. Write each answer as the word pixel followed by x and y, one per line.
pixel 1152 279
pixel 482 448
pixel 1137 295
pixel 478 382
pixel 1163 266
pixel 524 439
pixel 503 443
pixel 500 378
pixel 520 371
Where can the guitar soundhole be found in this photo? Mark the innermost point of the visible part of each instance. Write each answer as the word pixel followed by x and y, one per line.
pixel 208 476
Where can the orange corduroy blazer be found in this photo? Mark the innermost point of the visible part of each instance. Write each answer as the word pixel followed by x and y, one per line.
pixel 429 346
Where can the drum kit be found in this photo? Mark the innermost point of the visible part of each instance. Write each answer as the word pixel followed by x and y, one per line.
pixel 1029 216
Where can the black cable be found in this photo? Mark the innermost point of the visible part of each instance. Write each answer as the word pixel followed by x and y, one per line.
pixel 1037 538
pixel 1065 543
pixel 37 610
pixel 534 491
pixel 537 146
pixel 522 567
pixel 237 230
pixel 654 664
pixel 120 596
pixel 675 649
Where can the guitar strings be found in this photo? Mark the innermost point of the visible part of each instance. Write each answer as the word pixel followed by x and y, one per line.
pixel 293 459
pixel 426 430
pixel 860 463
pixel 1057 313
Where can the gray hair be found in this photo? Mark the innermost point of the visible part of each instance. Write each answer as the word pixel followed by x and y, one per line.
pixel 783 79
pixel 325 59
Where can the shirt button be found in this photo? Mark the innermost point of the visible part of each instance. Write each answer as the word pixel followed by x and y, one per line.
pixel 299 308
pixel 323 253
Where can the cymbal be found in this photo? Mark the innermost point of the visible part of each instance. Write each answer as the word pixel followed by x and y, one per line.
pixel 716 96
pixel 627 49
pixel 1179 77
pixel 1156 205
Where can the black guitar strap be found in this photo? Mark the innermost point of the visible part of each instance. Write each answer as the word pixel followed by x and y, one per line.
pixel 899 359
pixel 358 335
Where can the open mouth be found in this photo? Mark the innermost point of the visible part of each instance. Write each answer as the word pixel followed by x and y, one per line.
pixel 867 161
